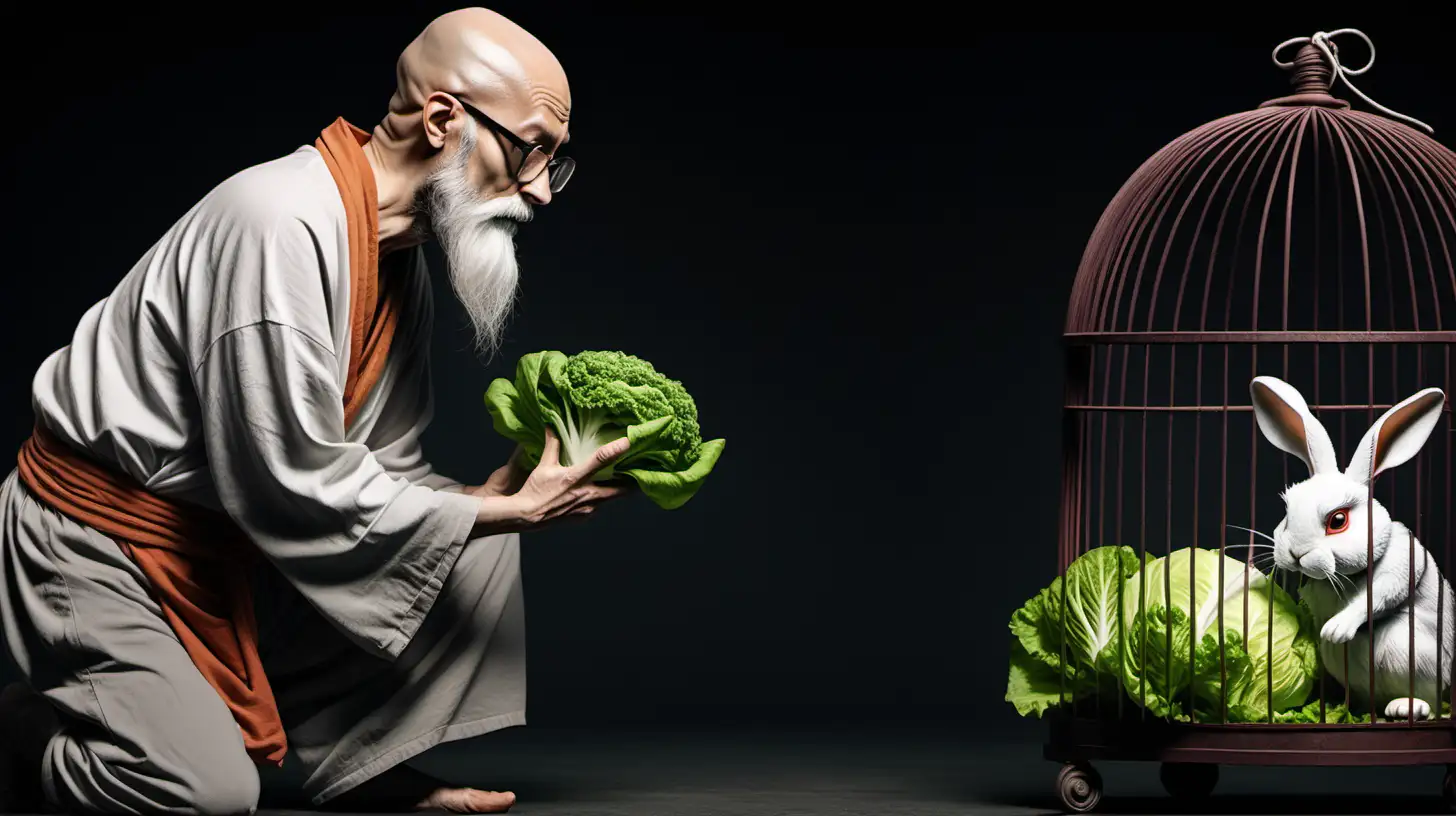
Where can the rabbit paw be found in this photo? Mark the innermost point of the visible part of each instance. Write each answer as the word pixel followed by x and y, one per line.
pixel 1400 709
pixel 1341 629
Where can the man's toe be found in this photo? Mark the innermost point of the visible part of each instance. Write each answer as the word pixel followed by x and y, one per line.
pixel 492 801
pixel 468 800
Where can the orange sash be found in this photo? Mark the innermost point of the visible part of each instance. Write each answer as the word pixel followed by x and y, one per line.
pixel 195 559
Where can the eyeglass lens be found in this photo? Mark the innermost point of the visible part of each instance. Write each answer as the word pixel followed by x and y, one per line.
pixel 538 162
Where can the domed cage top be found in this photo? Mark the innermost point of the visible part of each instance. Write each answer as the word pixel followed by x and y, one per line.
pixel 1309 242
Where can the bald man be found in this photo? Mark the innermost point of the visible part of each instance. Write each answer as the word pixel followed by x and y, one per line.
pixel 223 547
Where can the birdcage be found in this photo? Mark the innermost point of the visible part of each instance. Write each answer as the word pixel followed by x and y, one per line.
pixel 1314 243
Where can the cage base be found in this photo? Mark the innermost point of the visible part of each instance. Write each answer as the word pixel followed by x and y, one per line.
pixel 1079 741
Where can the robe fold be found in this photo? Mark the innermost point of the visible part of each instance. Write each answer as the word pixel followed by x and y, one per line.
pixel 249 401
pixel 197 560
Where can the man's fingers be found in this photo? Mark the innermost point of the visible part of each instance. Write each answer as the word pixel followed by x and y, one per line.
pixel 604 456
pixel 572 514
pixel 590 495
pixel 551 453
pixel 601 493
pixel 610 451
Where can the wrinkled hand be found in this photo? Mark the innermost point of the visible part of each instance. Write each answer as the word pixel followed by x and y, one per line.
pixel 507 479
pixel 551 492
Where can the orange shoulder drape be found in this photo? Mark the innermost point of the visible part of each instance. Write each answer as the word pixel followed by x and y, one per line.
pixel 193 558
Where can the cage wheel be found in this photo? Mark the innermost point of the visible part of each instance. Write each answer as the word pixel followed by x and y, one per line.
pixel 1079 787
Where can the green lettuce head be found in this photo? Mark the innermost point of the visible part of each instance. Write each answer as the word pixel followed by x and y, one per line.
pixel 593 397
pixel 1171 661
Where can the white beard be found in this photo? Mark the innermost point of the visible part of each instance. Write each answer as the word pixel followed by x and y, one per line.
pixel 478 239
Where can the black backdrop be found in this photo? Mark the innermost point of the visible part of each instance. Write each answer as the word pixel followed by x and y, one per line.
pixel 852 239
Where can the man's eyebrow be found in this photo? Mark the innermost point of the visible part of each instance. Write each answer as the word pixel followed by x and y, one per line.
pixel 538 134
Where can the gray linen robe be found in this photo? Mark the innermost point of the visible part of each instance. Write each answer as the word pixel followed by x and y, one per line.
pixel 214 373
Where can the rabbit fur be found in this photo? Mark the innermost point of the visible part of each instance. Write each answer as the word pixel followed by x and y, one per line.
pixel 1326 534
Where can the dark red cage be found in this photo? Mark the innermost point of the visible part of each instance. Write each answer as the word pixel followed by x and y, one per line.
pixel 1305 240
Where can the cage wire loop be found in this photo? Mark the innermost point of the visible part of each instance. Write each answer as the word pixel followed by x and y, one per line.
pixel 1325 42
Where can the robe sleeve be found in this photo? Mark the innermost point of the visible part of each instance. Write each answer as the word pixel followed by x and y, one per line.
pixel 368 549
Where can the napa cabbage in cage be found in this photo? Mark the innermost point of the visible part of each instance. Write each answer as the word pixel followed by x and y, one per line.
pixel 1171 662
pixel 1065 640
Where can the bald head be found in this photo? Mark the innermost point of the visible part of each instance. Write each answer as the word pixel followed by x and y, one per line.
pixel 480 108
pixel 491 62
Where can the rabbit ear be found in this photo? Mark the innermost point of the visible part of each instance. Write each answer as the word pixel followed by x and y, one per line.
pixel 1397 436
pixel 1285 419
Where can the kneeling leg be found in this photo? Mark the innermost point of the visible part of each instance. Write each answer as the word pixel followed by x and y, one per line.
pixel 137 727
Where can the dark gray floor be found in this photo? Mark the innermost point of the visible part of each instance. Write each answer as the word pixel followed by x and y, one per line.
pixel 877 771
pixel 883 771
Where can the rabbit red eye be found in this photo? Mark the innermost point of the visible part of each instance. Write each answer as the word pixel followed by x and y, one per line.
pixel 1337 522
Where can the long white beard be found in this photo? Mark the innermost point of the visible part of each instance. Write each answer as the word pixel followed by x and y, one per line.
pixel 478 239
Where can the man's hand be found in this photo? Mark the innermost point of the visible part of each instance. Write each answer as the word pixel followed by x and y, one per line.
pixel 506 480
pixel 550 493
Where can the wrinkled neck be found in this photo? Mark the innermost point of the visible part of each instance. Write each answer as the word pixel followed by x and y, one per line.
pixel 398 176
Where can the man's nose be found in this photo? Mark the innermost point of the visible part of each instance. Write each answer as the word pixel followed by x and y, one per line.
pixel 538 192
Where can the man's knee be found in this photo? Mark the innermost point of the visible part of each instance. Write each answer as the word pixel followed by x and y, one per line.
pixel 225 789
pixel 212 772
pixel 188 777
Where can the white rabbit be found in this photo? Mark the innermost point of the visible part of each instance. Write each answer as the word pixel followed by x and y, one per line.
pixel 1325 534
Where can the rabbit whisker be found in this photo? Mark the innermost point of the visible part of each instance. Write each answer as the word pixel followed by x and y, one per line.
pixel 1255 532
pixel 1349 582
pixel 1258 555
pixel 1339 582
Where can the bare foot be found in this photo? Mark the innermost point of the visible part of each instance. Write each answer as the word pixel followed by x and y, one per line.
pixel 467 800
pixel 404 788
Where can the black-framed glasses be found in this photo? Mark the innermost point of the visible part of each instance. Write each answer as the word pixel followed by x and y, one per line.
pixel 534 159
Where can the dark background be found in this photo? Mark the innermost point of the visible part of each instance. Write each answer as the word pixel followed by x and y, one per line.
pixel 852 239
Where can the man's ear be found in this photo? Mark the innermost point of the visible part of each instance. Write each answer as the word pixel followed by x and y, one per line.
pixel 436 115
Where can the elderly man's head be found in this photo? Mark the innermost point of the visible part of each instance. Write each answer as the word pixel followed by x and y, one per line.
pixel 481 109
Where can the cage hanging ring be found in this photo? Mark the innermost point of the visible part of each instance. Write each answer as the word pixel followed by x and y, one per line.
pixel 1330 37
pixel 1327 40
